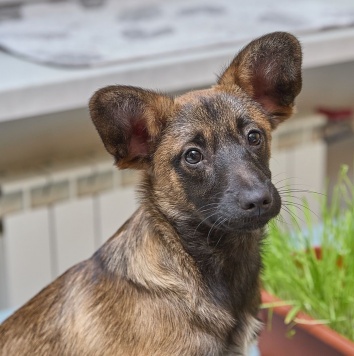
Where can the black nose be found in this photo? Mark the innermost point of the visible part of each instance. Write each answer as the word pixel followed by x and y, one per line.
pixel 256 201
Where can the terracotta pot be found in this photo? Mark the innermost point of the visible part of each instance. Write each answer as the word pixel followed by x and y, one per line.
pixel 309 340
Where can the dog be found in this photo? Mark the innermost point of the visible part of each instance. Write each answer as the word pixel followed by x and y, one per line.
pixel 182 275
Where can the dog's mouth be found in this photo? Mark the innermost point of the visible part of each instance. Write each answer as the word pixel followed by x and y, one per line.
pixel 247 224
pixel 253 223
pixel 223 222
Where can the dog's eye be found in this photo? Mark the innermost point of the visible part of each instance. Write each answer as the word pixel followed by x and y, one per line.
pixel 193 156
pixel 254 138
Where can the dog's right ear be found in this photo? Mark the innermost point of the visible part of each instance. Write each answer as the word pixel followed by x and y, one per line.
pixel 129 121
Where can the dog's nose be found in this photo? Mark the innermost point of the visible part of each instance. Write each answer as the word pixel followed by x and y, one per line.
pixel 256 201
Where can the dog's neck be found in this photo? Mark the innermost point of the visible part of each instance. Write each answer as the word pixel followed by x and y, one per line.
pixel 229 261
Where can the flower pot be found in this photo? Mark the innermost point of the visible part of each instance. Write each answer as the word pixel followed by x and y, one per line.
pixel 310 339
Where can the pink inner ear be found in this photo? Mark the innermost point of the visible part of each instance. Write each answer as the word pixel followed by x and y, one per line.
pixel 268 103
pixel 138 145
pixel 262 92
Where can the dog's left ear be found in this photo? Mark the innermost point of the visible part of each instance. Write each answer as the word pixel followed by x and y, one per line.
pixel 269 70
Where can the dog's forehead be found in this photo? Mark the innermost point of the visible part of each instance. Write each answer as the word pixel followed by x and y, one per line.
pixel 218 111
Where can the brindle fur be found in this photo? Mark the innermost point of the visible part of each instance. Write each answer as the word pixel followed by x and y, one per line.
pixel 181 276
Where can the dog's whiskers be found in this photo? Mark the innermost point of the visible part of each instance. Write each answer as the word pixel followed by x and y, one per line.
pixel 222 235
pixel 287 190
pixel 294 217
pixel 300 206
pixel 283 180
pixel 217 223
pixel 205 219
pixel 210 205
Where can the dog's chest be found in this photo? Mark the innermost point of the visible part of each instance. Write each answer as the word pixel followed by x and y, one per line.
pixel 232 277
pixel 234 290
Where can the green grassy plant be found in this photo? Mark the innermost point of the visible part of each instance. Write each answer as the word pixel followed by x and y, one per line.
pixel 323 288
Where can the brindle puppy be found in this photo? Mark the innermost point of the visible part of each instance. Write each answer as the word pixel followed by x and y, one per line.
pixel 181 276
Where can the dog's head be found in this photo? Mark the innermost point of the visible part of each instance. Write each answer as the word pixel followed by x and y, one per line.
pixel 206 153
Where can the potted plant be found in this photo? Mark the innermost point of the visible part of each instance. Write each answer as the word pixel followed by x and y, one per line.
pixel 313 311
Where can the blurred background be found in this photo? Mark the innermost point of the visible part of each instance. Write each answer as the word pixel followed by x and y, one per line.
pixel 60 196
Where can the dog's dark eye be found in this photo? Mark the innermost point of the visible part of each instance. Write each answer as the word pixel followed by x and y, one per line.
pixel 193 156
pixel 254 138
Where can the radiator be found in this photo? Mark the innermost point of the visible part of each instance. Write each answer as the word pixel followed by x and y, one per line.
pixel 299 163
pixel 54 216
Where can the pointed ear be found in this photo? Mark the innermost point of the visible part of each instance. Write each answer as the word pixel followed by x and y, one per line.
pixel 129 121
pixel 269 70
